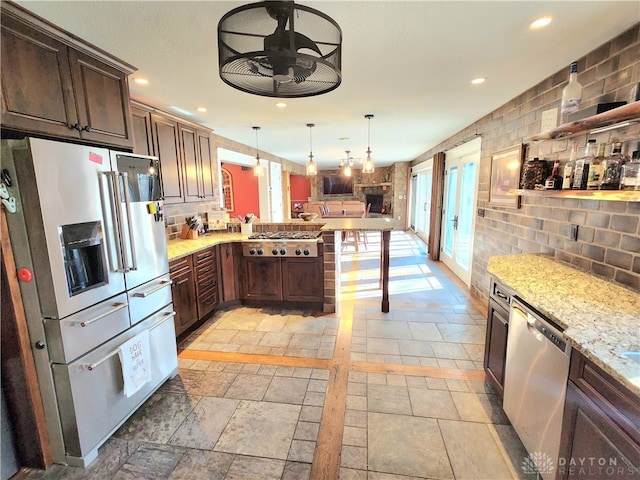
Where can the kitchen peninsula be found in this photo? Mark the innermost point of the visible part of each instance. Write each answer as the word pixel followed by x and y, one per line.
pixel 222 253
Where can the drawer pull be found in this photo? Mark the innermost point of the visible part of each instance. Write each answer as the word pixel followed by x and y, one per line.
pixel 163 284
pixel 86 323
pixel 501 295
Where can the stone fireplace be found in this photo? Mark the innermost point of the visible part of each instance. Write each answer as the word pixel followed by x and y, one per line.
pixel 376 201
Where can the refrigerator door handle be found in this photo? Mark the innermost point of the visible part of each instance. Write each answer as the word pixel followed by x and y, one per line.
pixel 116 307
pixel 163 284
pixel 114 200
pixel 127 203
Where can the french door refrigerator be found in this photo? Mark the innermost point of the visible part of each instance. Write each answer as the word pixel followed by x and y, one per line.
pixel 89 241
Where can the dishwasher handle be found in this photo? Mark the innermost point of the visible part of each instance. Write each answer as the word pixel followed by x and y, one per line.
pixel 541 326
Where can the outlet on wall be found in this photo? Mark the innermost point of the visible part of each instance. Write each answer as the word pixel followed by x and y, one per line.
pixel 573 234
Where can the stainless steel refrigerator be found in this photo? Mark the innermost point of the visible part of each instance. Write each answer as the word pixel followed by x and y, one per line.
pixel 89 241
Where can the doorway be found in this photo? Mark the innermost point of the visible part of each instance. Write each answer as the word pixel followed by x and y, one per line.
pixel 421 184
pixel 458 208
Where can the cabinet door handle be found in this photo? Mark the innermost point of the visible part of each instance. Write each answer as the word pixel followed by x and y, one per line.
pixel 77 127
pixel 86 128
pixel 501 295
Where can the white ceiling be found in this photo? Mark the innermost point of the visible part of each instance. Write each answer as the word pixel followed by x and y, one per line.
pixel 409 63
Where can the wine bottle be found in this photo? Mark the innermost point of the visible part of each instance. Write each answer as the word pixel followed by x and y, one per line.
pixel 571 94
pixel 595 169
pixel 613 168
pixel 582 167
pixel 567 181
pixel 554 180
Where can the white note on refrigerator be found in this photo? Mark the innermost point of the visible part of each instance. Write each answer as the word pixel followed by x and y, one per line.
pixel 135 357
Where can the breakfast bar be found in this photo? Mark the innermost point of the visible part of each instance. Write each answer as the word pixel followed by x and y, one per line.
pixel 384 226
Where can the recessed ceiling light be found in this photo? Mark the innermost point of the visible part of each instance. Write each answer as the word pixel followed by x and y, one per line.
pixel 478 81
pixel 540 23
pixel 141 81
pixel 281 104
pixel 201 109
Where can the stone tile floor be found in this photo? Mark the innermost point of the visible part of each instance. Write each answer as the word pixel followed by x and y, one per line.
pixel 270 394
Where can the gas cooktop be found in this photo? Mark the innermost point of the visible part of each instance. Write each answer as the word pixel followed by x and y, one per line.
pixel 286 235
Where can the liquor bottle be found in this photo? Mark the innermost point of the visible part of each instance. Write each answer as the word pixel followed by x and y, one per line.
pixel 613 168
pixel 571 94
pixel 595 169
pixel 630 176
pixel 567 181
pixel 581 174
pixel 554 181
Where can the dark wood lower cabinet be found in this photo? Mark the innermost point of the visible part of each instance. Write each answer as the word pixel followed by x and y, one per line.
pixel 601 426
pixel 302 280
pixel 261 278
pixel 228 262
pixel 496 345
pixel 183 292
pixel 288 279
pixel 206 281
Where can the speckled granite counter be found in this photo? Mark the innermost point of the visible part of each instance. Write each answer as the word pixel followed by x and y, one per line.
pixel 346 224
pixel 181 248
pixel 601 319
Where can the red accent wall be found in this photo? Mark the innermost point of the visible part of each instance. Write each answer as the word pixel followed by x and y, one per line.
pixel 300 188
pixel 245 191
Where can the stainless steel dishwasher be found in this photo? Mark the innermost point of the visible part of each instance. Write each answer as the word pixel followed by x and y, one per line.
pixel 535 383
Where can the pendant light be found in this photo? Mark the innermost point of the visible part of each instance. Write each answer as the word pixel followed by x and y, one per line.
pixel 346 167
pixel 312 168
pixel 367 166
pixel 258 170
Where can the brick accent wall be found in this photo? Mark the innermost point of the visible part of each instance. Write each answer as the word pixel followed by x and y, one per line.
pixel 609 231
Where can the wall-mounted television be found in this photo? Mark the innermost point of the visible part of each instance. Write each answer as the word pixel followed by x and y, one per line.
pixel 337 185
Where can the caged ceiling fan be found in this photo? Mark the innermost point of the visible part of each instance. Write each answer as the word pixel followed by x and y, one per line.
pixel 280 49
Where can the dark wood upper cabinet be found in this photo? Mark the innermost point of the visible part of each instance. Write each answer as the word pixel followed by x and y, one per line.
pixel 141 126
pixel 184 150
pixel 55 85
pixel 166 142
pixel 206 165
pixel 191 162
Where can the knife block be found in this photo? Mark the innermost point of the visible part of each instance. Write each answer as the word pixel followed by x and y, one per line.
pixel 187 233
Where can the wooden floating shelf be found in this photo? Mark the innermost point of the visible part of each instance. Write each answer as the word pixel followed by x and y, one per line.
pixel 614 118
pixel 607 195
pixel 381 184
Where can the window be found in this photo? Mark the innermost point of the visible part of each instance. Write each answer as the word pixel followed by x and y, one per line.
pixel 227 190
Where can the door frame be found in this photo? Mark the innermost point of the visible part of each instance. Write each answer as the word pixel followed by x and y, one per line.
pixel 466 151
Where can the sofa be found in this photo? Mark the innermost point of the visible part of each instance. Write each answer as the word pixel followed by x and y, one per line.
pixel 335 206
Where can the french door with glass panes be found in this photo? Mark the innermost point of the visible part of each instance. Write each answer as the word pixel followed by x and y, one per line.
pixel 458 208
pixel 421 182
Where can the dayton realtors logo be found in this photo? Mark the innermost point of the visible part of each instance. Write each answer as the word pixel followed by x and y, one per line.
pixel 540 463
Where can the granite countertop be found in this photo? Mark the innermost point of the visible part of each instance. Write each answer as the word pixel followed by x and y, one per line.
pixel 347 223
pixel 181 248
pixel 600 318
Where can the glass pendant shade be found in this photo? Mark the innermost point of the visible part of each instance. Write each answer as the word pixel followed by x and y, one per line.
pixel 312 168
pixel 368 166
pixel 258 169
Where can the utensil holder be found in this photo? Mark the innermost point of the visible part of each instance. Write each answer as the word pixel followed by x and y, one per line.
pixel 246 228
